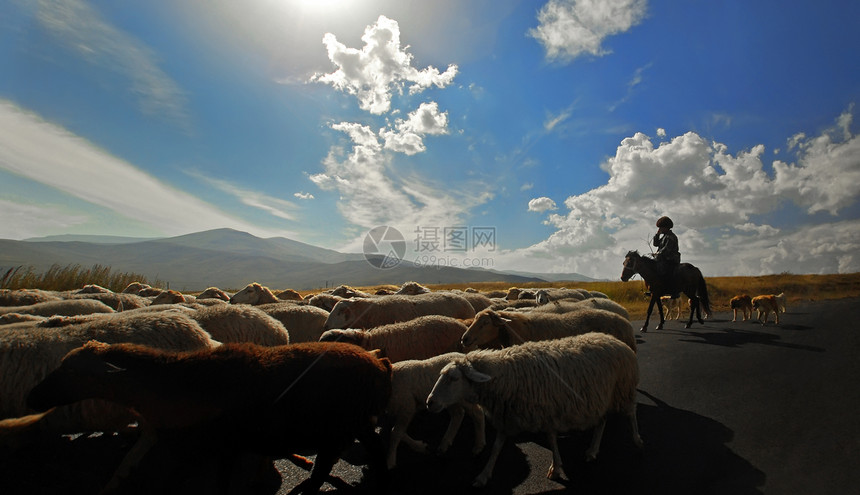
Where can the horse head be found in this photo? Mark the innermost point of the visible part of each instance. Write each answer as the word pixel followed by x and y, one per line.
pixel 629 265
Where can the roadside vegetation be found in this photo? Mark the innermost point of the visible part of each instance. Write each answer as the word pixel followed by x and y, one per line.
pixel 630 294
pixel 69 277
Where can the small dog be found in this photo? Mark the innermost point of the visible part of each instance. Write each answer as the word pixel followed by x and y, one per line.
pixel 764 304
pixel 742 302
pixel 669 304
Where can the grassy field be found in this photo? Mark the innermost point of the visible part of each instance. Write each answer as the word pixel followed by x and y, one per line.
pixel 720 289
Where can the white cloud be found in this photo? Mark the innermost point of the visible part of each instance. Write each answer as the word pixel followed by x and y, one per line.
pixel 661 133
pixel 380 68
pixel 373 194
pixel 46 153
pixel 303 195
pixel 542 204
pixel 570 28
pixel 80 29
pixel 408 135
pixel 274 206
pixel 708 191
pixel 527 186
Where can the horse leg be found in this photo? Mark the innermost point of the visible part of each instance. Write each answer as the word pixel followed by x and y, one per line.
pixel 660 311
pixel 694 305
pixel 648 314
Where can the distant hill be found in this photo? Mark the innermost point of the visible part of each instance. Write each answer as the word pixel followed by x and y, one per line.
pixel 230 259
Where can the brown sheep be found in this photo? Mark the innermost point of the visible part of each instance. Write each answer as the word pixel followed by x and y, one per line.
pixel 210 405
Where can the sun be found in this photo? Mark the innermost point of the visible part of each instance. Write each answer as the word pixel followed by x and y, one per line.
pixel 323 6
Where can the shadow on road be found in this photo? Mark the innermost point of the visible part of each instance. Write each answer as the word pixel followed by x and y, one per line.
pixel 733 337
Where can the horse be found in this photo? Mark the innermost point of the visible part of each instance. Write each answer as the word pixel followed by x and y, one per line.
pixel 687 279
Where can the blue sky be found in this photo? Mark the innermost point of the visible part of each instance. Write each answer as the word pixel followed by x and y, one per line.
pixel 568 127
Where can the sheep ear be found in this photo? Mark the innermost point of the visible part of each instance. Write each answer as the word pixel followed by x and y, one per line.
pixel 475 375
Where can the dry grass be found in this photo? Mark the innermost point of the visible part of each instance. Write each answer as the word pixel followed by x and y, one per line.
pixel 720 289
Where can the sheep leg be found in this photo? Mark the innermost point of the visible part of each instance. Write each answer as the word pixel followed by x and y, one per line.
pixel 484 476
pixel 457 412
pixel 147 439
pixel 556 470
pixel 594 448
pixel 320 473
pixel 634 426
pixel 477 415
pixel 398 433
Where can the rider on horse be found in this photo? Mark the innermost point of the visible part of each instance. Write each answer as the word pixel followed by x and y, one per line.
pixel 668 257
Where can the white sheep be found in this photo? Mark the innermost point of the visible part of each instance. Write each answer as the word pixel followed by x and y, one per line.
pixel 509 328
pixel 478 301
pixel 546 387
pixel 545 296
pixel 289 295
pixel 254 294
pixel 241 323
pixel 374 312
pixel 29 353
pixel 412 289
pixel 10 318
pixel 93 289
pixel 214 293
pixel 117 301
pixel 305 323
pixel 419 338
pixel 566 306
pixel 348 292
pixel 63 307
pixel 411 382
pixel 27 297
pixel 171 296
pixel 325 301
pixel 135 288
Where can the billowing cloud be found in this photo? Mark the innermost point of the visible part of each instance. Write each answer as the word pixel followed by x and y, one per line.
pixel 570 28
pixel 717 201
pixel 372 193
pixel 49 154
pixel 407 136
pixel 380 68
pixel 79 28
pixel 542 204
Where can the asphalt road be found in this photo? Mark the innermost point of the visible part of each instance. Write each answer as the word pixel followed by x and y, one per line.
pixel 724 408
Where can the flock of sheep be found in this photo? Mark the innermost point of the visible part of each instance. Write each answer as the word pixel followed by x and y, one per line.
pixel 218 385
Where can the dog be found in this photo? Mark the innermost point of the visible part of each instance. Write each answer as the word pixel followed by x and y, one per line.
pixel 743 303
pixel 671 304
pixel 764 304
pixel 780 299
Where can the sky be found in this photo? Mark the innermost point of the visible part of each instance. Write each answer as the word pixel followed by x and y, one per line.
pixel 540 136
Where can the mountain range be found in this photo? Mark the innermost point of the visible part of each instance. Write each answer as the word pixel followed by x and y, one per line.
pixel 231 259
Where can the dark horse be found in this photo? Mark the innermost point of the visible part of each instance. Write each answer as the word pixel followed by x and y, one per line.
pixel 688 279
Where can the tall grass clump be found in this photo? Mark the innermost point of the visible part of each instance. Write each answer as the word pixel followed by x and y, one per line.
pixel 70 277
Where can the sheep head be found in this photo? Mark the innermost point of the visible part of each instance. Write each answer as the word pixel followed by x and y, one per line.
pixel 454 385
pixel 486 327
pixel 79 376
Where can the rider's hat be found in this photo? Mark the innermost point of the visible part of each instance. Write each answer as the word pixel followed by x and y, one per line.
pixel 665 222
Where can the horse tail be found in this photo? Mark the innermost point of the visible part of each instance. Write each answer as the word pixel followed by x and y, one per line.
pixel 703 295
